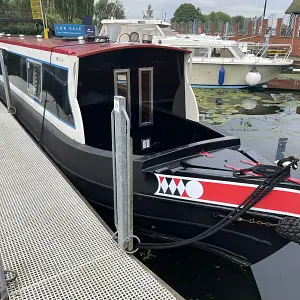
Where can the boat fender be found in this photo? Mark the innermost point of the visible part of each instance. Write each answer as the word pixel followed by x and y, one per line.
pixel 221 76
pixel 253 77
pixel 289 228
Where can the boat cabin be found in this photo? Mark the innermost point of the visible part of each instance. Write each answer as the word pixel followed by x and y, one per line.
pixel 71 85
pixel 120 30
pixel 202 47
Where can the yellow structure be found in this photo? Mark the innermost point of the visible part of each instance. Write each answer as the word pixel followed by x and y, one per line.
pixel 37 14
pixel 36 8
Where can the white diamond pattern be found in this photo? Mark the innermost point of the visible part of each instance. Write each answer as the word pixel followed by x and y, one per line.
pixel 164 185
pixel 172 186
pixel 181 188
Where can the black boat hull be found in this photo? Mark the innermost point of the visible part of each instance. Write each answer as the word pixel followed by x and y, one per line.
pixel 89 169
pixel 168 219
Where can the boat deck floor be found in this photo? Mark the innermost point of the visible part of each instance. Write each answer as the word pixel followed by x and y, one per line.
pixel 58 246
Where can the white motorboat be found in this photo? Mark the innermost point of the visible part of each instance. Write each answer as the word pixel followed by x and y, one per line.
pixel 215 62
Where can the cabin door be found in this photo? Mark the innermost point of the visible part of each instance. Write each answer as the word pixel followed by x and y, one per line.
pixel 137 87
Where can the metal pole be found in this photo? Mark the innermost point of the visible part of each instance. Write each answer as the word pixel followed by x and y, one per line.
pixel 226 31
pixel 265 8
pixel 3 287
pixel 121 150
pixel 10 109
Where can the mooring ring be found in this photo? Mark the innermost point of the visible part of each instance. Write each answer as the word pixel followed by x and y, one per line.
pixel 127 240
pixel 115 236
pixel 12 110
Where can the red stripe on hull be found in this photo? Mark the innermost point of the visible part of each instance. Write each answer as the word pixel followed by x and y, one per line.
pixel 280 201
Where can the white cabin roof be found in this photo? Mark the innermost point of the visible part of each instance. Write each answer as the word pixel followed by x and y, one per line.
pixel 135 21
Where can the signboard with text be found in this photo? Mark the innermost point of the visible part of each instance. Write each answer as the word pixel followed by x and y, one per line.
pixel 73 30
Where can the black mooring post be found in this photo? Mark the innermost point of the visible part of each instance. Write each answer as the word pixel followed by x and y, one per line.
pixel 265 8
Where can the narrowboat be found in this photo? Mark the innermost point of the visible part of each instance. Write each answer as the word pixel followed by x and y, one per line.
pixel 63 93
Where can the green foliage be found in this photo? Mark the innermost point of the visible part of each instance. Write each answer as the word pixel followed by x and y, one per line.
pixel 223 17
pixel 218 16
pixel 147 255
pixel 105 9
pixel 212 16
pixel 148 14
pixel 4 3
pixel 20 28
pixel 15 4
pixel 239 19
pixel 70 10
pixel 186 12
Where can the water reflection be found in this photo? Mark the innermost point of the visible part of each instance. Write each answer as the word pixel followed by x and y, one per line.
pixel 249 104
pixel 266 122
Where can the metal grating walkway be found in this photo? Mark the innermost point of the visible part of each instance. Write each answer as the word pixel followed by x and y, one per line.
pixel 49 236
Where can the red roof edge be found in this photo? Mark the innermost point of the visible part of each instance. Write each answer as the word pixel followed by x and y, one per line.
pixel 76 48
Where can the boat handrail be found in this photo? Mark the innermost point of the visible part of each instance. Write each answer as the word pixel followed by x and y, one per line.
pixel 207 53
pixel 261 49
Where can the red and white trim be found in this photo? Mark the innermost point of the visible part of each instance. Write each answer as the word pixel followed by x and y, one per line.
pixel 280 201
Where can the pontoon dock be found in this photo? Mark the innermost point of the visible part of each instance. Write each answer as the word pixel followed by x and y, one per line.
pixel 59 248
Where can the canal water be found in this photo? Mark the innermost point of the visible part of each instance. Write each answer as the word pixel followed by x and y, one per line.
pixel 266 121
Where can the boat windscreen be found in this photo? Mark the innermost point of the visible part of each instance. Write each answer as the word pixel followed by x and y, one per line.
pixel 143 29
pixel 238 51
pixel 166 29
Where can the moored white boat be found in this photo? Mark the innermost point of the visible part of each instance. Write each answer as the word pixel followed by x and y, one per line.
pixel 216 63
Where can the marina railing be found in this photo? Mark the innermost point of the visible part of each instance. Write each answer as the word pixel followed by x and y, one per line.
pixel 122 174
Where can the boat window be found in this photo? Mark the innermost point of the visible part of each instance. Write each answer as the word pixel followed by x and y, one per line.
pixel 167 31
pixel 146 96
pixel 221 52
pixel 51 81
pixel 238 51
pixel 55 89
pixel 17 71
pixel 34 79
pixel 200 52
pixel 122 86
pixel 114 32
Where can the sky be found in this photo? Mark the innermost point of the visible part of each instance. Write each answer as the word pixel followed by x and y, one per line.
pixel 248 8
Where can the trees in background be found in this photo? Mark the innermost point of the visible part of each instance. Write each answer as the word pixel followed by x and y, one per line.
pixel 66 10
pixel 104 9
pixel 240 19
pixel 186 12
pixel 70 10
pixel 148 14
